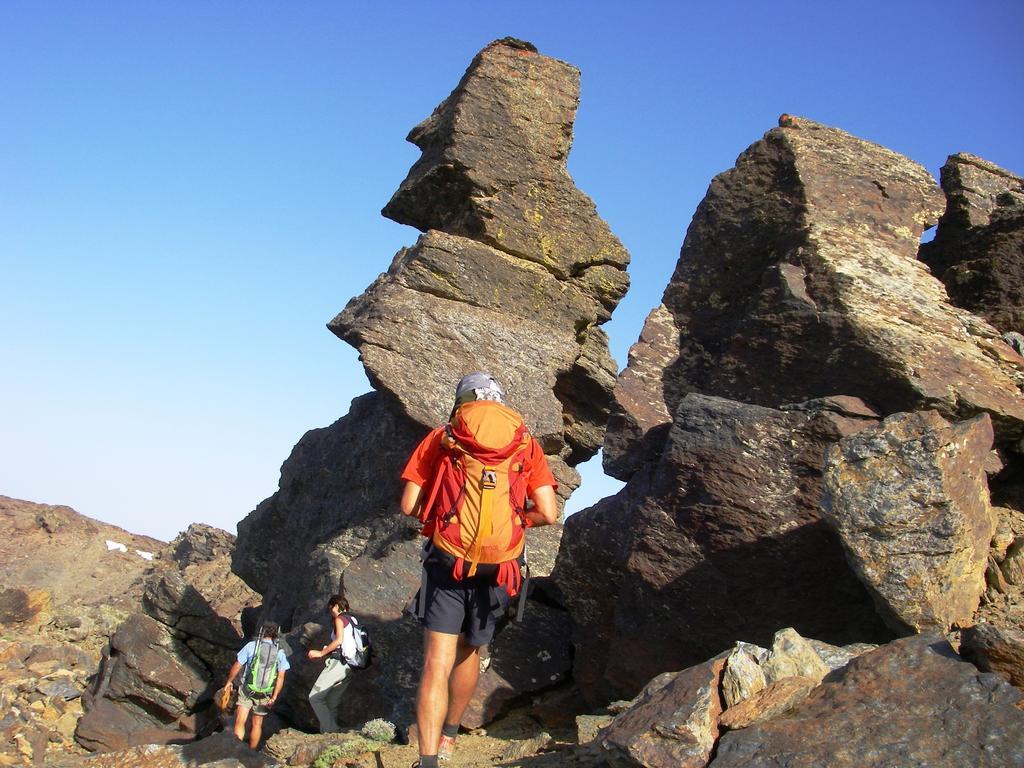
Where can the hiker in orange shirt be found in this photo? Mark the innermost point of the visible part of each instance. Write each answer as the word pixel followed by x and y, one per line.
pixel 476 484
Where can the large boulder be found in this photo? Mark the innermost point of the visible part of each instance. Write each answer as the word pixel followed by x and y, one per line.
pixel 146 691
pixel 799 279
pixel 978 249
pixel 514 273
pixel 722 538
pixel 909 500
pixel 911 702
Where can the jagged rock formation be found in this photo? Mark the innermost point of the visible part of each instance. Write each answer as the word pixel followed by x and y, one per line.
pixel 514 274
pixel 978 249
pixel 515 271
pixel 910 502
pixel 798 279
pixel 722 538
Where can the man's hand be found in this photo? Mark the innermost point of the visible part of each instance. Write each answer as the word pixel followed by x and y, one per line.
pixel 314 654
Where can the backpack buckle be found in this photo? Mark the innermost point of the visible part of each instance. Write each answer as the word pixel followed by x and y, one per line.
pixel 489 479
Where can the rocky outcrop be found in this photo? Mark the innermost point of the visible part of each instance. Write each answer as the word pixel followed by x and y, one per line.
pixel 910 502
pixel 156 678
pixel 978 249
pixel 514 273
pixel 799 279
pixel 722 538
pixel 912 702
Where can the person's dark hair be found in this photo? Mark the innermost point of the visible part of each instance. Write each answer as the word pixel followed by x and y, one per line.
pixel 338 600
pixel 270 630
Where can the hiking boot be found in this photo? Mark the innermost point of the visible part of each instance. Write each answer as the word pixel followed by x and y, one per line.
pixel 445 749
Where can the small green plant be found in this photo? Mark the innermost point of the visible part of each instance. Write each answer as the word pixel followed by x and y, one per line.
pixel 379 730
pixel 328 757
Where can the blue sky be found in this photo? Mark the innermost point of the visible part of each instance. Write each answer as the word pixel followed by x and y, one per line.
pixel 190 191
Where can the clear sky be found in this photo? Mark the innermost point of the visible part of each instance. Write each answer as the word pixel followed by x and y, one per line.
pixel 190 191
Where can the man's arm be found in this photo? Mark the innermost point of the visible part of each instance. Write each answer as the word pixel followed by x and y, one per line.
pixel 278 686
pixel 232 672
pixel 545 506
pixel 339 633
pixel 411 498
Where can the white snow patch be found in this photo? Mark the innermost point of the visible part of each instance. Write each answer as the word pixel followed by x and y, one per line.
pixel 115 545
pixel 144 555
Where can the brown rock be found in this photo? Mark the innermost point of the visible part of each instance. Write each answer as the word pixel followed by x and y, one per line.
pixel 912 702
pixel 771 701
pixel 640 418
pixel 909 500
pixel 494 169
pixel 995 649
pixel 23 606
pixel 672 724
pixel 146 690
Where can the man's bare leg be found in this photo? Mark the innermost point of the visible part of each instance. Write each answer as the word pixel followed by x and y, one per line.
pixel 256 731
pixel 462 680
pixel 241 713
pixel 439 653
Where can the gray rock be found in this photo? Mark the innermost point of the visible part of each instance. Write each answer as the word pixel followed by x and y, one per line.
pixel 792 656
pixel 743 676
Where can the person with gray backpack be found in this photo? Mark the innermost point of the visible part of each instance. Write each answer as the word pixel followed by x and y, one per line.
pixel 263 664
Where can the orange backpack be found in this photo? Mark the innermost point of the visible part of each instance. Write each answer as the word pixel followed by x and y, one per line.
pixel 475 511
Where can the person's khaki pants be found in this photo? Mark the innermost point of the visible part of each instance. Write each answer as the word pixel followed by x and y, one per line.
pixel 326 693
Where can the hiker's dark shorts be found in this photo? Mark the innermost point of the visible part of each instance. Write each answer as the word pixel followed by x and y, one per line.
pixel 470 607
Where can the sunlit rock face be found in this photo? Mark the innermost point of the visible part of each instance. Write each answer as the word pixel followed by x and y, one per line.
pixel 514 274
pixel 799 279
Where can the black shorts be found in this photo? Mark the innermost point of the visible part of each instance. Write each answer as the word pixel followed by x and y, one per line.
pixel 469 607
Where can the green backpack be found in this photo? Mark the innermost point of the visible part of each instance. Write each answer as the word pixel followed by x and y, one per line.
pixel 261 670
